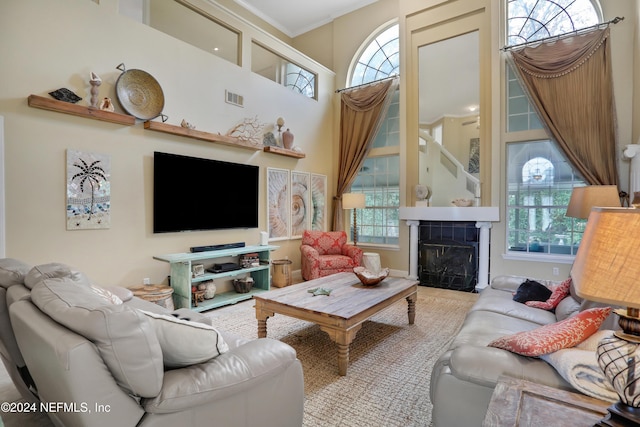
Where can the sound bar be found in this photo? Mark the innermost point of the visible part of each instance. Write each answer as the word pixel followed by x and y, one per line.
pixel 217 247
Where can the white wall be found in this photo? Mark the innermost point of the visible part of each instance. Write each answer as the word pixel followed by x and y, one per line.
pixel 48 44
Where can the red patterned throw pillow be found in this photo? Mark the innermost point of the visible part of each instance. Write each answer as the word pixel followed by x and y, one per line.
pixel 556 336
pixel 558 294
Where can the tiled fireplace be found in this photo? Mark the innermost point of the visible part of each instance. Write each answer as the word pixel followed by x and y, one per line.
pixel 434 263
pixel 448 254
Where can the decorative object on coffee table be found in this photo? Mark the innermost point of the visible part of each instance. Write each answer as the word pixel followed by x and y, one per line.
pixel 606 269
pixel 320 291
pixel 369 278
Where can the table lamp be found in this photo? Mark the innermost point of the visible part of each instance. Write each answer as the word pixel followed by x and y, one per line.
pixel 585 198
pixel 353 201
pixel 607 269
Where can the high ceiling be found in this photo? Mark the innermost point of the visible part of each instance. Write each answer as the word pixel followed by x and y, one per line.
pixel 449 70
pixel 295 17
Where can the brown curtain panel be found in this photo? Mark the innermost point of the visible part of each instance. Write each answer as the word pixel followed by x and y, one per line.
pixel 570 83
pixel 361 113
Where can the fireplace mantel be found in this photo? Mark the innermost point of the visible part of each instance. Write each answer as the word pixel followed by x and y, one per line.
pixel 482 215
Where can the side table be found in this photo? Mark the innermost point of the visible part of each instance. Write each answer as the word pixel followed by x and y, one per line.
pixel 158 294
pixel 517 402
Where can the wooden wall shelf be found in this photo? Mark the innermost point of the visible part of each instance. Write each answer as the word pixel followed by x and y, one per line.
pixel 43 103
pixel 198 134
pixel 284 152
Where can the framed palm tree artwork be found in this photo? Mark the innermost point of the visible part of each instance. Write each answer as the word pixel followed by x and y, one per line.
pixel 88 190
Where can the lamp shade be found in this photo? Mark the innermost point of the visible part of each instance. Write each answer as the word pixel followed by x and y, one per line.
pixel 607 265
pixel 353 201
pixel 585 198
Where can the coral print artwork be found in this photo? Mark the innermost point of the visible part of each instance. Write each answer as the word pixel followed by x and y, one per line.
pixel 88 190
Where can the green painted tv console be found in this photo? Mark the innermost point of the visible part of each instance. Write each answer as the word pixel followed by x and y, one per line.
pixel 181 273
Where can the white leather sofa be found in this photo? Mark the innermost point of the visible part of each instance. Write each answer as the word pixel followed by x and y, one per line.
pixel 101 363
pixel 464 377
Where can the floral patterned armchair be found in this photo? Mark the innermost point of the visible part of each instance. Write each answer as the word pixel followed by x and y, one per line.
pixel 327 252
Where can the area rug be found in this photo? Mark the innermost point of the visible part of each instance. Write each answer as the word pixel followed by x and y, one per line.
pixel 387 383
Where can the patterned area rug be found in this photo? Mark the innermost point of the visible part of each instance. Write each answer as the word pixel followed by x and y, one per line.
pixel 387 382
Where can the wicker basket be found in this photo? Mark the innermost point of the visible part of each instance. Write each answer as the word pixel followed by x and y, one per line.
pixel 242 286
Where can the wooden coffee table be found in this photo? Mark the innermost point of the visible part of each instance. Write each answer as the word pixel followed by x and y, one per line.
pixel 339 314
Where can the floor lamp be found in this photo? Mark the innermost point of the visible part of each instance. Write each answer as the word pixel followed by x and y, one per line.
pixel 606 269
pixel 353 201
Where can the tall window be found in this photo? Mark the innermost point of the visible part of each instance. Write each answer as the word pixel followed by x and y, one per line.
pixel 379 177
pixel 540 181
pixel 539 177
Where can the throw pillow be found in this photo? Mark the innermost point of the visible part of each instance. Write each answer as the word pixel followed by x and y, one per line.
pixel 557 295
pixel 184 342
pixel 553 337
pixel 530 290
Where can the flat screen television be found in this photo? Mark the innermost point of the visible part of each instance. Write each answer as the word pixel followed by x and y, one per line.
pixel 191 193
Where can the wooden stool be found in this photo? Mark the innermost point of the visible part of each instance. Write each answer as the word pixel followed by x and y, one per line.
pixel 157 294
pixel 196 297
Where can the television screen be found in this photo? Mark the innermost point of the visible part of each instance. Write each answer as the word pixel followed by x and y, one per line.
pixel 191 193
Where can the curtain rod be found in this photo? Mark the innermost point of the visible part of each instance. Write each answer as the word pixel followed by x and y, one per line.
pixel 570 33
pixel 366 84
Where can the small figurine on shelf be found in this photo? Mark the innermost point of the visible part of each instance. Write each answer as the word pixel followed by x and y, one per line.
pixel 287 139
pixel 186 124
pixel 95 81
pixel 106 104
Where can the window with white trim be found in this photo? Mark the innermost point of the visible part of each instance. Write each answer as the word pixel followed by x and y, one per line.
pixel 379 178
pixel 540 181
pixel 539 177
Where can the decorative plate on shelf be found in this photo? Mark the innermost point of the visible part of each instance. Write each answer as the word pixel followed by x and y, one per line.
pixel 139 93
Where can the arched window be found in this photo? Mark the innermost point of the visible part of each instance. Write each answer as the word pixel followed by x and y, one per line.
pixel 529 21
pixel 379 59
pixel 539 178
pixel 535 20
pixel 379 177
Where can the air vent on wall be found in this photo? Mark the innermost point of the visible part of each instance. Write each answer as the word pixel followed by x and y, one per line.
pixel 233 98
